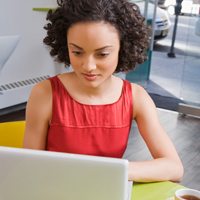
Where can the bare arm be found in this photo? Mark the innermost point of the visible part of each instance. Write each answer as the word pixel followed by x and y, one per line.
pixel 165 164
pixel 38 115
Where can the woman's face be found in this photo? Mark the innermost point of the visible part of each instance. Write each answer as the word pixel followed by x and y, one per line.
pixel 93 51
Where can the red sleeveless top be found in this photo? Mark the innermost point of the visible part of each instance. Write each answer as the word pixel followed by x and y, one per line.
pixel 99 130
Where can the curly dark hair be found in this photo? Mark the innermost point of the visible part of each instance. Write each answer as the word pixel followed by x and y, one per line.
pixel 122 14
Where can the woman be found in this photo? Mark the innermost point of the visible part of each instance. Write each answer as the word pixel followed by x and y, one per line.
pixel 90 111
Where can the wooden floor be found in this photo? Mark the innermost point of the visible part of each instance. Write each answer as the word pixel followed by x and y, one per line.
pixel 184 132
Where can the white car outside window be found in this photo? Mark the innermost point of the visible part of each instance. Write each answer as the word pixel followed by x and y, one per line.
pixel 162 21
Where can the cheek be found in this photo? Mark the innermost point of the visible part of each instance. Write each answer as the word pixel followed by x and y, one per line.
pixel 112 61
pixel 109 65
pixel 74 61
pixel 71 57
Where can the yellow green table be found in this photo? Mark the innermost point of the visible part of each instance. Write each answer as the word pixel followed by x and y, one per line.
pixel 155 191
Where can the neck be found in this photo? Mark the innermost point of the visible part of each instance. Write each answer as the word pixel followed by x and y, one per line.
pixel 108 92
pixel 99 90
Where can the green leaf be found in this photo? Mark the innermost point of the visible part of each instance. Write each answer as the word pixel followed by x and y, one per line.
pixel 43 9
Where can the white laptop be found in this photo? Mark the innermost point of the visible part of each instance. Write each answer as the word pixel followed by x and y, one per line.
pixel 42 175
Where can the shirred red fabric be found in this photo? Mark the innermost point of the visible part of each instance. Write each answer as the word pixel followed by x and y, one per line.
pixel 99 130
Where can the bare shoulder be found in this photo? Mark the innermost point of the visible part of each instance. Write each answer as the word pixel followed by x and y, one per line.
pixel 141 100
pixel 140 95
pixel 42 88
pixel 40 100
pixel 138 90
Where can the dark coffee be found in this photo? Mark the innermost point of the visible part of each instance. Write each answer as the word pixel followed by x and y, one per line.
pixel 190 197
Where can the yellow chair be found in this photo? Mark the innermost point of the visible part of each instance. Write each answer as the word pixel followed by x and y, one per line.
pixel 12 134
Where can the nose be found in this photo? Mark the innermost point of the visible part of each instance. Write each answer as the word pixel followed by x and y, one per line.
pixel 89 64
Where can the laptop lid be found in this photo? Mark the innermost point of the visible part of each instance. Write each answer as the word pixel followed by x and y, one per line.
pixel 32 174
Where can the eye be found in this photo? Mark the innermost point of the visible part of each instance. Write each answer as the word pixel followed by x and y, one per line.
pixel 103 54
pixel 77 53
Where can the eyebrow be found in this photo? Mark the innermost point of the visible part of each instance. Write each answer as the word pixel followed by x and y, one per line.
pixel 99 49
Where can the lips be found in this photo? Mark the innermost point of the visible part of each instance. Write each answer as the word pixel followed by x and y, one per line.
pixel 90 77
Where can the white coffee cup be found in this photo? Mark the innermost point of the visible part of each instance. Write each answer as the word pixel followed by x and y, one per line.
pixel 180 194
